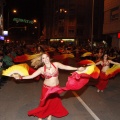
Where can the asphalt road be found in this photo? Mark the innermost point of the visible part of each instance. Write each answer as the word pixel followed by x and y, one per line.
pixel 16 99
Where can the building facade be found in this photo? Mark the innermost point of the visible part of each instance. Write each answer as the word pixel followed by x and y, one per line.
pixel 72 19
pixel 2 2
pixel 111 26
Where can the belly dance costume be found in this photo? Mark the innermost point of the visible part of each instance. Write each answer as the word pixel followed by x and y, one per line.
pixel 52 105
pixel 103 78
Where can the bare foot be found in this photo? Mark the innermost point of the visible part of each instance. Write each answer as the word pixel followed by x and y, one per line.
pixel 101 90
pixel 49 117
pixel 98 90
pixel 39 118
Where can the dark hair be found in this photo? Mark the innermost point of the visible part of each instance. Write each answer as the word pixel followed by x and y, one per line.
pixel 105 53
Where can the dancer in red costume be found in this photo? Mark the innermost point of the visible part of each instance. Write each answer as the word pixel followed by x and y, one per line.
pixel 51 105
pixel 50 102
pixel 106 72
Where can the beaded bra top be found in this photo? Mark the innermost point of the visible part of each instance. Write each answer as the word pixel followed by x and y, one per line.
pixel 49 75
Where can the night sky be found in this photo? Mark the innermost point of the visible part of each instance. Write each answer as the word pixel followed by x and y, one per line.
pixel 28 9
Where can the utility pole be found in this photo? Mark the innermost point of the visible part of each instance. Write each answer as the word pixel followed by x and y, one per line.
pixel 92 24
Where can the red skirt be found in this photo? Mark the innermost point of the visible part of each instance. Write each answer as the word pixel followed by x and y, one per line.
pixel 105 76
pixel 52 105
pixel 103 81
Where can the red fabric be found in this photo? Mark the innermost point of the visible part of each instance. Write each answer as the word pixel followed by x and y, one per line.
pixel 21 58
pixel 50 106
pixel 75 82
pixel 113 73
pixel 25 57
pixel 85 62
pixel 95 74
pixel 103 81
pixel 31 71
pixel 104 78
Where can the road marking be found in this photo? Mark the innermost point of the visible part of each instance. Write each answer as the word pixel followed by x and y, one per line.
pixel 86 107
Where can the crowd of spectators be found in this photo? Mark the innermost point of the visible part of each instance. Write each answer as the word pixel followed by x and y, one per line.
pixel 9 51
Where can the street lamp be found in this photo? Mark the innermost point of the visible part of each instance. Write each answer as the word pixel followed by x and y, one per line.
pixel 13 11
pixel 37 23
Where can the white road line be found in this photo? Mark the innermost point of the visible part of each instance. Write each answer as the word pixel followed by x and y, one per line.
pixel 86 107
